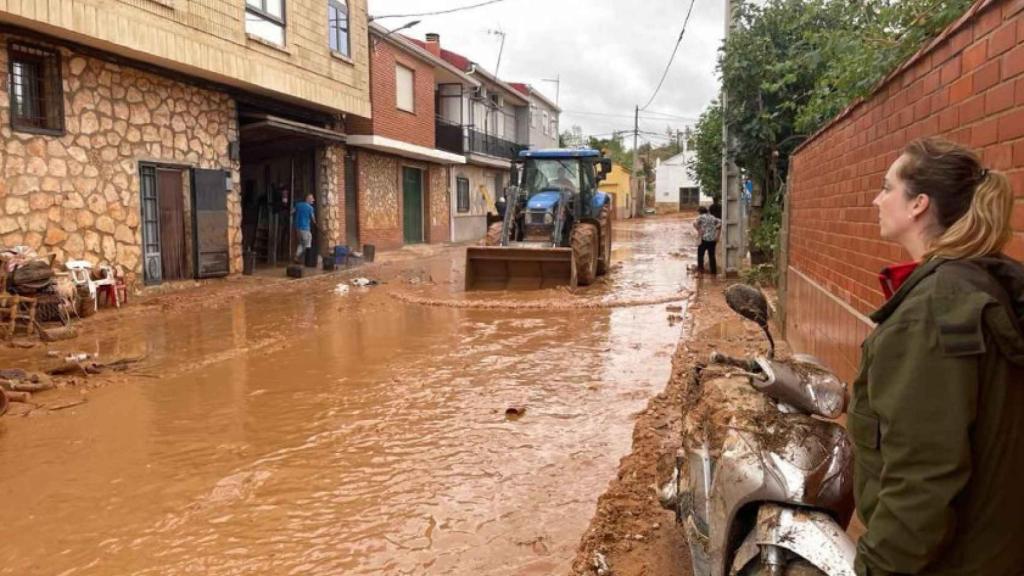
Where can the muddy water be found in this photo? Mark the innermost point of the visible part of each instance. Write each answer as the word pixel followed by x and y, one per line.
pixel 305 432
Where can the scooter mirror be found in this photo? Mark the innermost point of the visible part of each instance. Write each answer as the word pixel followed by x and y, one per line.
pixel 748 302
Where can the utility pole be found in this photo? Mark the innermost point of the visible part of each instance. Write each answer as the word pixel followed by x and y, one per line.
pixel 558 85
pixel 500 50
pixel 638 198
pixel 732 248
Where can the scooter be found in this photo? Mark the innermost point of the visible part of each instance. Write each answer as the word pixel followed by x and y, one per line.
pixel 763 484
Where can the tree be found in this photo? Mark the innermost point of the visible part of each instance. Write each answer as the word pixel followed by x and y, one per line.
pixel 706 166
pixel 791 65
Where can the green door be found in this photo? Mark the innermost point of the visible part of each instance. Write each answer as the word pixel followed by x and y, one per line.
pixel 412 205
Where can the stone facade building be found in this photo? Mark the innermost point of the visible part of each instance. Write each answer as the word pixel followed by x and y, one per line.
pixel 166 137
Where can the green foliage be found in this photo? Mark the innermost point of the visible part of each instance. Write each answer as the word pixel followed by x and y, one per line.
pixel 761 275
pixel 615 150
pixel 789 66
pixel 706 166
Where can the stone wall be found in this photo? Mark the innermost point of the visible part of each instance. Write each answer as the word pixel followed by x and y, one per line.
pixel 439 224
pixel 77 195
pixel 380 200
pixel 331 198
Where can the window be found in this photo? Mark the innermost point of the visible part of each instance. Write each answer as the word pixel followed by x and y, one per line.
pixel 265 19
pixel 37 95
pixel 534 116
pixel 547 125
pixel 462 194
pixel 337 27
pixel 405 95
pixel 554 127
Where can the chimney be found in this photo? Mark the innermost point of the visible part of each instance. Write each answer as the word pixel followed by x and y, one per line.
pixel 434 43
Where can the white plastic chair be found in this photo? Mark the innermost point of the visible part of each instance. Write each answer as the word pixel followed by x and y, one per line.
pixel 81 275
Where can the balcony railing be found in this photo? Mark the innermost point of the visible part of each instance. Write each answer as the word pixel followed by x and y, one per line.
pixel 459 139
pixel 480 143
pixel 449 137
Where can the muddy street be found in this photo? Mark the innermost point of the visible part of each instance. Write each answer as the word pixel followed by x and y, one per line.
pixel 304 431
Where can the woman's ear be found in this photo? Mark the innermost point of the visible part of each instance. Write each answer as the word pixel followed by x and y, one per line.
pixel 920 206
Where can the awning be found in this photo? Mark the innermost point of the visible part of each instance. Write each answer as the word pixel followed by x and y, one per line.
pixel 405 149
pixel 270 136
pixel 272 128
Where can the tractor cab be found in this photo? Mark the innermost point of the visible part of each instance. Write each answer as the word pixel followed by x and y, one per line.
pixel 547 182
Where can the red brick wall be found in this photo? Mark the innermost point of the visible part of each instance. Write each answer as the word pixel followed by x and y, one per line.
pixel 414 127
pixel 967 86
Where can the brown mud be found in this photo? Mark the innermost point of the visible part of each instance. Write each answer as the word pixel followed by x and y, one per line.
pixel 631 533
pixel 291 427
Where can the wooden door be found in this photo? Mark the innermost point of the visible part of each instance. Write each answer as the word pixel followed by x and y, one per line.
pixel 172 223
pixel 412 205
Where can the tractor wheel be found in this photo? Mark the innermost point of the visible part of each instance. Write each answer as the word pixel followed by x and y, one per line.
pixel 604 222
pixel 584 251
pixel 493 237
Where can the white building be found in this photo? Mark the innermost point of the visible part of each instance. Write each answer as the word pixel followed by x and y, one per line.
pixel 675 188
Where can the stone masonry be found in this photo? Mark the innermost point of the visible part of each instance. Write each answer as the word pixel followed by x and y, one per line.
pixel 77 195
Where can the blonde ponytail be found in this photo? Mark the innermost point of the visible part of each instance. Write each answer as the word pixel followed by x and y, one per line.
pixel 972 206
pixel 985 229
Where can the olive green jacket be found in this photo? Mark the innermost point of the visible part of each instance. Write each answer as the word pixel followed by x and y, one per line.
pixel 937 421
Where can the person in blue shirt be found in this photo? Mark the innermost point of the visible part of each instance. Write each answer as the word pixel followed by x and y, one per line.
pixel 304 218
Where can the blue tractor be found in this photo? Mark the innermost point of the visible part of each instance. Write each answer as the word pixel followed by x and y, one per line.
pixel 555 227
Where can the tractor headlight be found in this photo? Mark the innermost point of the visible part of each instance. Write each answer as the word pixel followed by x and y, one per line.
pixel 549 218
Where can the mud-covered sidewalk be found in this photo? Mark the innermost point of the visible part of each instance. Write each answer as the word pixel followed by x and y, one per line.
pixel 631 534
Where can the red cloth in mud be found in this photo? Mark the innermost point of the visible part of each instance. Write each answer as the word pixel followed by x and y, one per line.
pixel 894 276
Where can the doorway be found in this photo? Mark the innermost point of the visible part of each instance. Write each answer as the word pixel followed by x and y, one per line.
pixel 412 205
pixel 689 197
pixel 351 204
pixel 164 224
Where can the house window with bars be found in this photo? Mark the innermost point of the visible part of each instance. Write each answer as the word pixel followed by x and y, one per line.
pixel 337 27
pixel 37 95
pixel 462 194
pixel 265 19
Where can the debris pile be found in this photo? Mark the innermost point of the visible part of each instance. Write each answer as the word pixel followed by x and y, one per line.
pixel 17 385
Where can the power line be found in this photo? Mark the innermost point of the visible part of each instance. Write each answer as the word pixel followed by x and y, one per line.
pixel 671 58
pixel 438 12
pixel 662 116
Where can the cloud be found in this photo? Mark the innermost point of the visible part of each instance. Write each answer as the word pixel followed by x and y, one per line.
pixel 609 55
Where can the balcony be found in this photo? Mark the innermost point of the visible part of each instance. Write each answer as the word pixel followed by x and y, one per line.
pixel 449 137
pixel 480 143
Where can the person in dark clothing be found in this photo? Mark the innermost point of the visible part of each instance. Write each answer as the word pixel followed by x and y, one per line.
pixel 708 229
pixel 937 410
pixel 715 209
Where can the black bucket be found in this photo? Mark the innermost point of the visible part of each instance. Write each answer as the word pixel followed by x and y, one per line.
pixel 368 251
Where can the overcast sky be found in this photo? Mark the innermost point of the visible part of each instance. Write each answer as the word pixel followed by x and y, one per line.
pixel 609 54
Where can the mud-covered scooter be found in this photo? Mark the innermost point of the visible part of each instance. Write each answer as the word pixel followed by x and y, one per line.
pixel 763 484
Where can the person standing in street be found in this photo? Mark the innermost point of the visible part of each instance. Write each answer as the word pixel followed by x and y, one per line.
pixel 708 229
pixel 304 219
pixel 937 409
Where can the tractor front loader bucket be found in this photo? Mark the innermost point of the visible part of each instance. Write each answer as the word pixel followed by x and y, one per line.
pixel 513 268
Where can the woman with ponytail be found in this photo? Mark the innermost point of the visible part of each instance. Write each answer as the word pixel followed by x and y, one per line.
pixel 937 410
